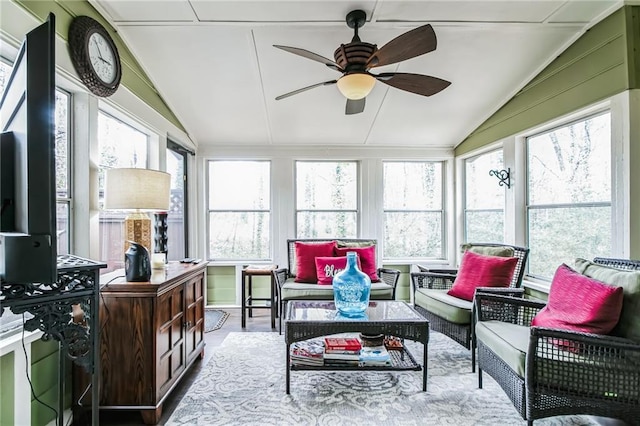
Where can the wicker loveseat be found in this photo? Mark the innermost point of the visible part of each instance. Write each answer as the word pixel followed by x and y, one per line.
pixel 450 315
pixel 289 289
pixel 549 372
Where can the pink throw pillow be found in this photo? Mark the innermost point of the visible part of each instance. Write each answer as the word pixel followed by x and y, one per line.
pixel 306 254
pixel 328 267
pixel 579 303
pixel 367 256
pixel 477 270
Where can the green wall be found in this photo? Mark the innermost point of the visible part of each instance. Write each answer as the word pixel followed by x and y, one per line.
pixel 601 63
pixel 221 285
pixel 44 376
pixel 7 381
pixel 133 77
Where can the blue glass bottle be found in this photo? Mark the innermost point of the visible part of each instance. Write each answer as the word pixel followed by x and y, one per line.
pixel 351 288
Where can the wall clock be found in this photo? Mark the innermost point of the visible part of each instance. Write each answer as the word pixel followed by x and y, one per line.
pixel 94 56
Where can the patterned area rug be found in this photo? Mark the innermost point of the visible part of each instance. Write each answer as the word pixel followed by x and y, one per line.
pixel 214 319
pixel 244 384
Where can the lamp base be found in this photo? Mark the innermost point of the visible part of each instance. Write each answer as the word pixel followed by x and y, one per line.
pixel 137 228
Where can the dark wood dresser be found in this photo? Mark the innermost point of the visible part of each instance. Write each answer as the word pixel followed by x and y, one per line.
pixel 151 334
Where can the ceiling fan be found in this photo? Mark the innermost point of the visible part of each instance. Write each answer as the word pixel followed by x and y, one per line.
pixel 355 59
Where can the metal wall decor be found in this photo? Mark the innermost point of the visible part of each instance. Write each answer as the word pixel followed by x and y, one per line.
pixel 504 176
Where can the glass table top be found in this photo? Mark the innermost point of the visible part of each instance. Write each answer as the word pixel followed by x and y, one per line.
pixel 302 310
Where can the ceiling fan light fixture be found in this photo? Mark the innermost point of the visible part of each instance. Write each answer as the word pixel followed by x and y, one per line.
pixel 356 86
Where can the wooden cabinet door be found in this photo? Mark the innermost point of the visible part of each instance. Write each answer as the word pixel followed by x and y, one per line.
pixel 194 313
pixel 170 339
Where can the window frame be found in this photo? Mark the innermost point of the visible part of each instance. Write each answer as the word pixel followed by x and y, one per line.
pixel 443 210
pixel 527 208
pixel 182 151
pixel 358 203
pixel 464 205
pixel 208 210
pixel 68 200
pixel 100 167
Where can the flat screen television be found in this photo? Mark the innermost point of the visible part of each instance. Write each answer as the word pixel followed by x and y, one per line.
pixel 27 163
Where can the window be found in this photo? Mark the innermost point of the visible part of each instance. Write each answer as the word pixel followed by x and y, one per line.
pixel 326 199
pixel 120 145
pixel 484 199
pixel 413 209
pixel 569 194
pixel 239 210
pixel 177 216
pixel 5 73
pixel 63 177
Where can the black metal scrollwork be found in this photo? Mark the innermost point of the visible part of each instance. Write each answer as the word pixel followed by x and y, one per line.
pixel 504 176
pixel 52 307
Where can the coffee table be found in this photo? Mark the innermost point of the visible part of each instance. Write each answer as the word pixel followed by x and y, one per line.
pixel 308 319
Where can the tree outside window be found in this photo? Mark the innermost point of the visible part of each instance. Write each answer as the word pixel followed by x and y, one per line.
pixel 326 199
pixel 413 209
pixel 239 210
pixel 569 194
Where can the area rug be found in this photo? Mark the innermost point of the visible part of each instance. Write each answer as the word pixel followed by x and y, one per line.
pixel 214 319
pixel 244 384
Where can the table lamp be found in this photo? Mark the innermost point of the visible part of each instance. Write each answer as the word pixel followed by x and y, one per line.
pixel 138 191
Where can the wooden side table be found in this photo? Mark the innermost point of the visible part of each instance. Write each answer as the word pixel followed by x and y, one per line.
pixel 247 292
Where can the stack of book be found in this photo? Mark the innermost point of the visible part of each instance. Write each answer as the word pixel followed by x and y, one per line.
pixel 308 352
pixel 374 356
pixel 343 351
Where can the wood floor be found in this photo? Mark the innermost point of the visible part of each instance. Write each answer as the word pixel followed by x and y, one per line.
pixel 261 321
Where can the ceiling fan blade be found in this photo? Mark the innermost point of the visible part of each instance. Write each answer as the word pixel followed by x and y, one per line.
pixel 354 106
pixel 419 84
pixel 304 89
pixel 310 55
pixel 413 43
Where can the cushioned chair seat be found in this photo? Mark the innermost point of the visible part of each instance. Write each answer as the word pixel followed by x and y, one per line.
pixel 452 309
pixel 509 341
pixel 302 291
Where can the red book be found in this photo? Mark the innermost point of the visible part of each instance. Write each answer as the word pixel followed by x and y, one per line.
pixel 342 343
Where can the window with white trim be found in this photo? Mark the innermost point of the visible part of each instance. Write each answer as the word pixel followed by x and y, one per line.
pixel 326 199
pixel 63 171
pixel 239 210
pixel 483 199
pixel 120 145
pixel 569 193
pixel 413 209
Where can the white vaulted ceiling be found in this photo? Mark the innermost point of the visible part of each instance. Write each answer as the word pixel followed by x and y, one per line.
pixel 215 65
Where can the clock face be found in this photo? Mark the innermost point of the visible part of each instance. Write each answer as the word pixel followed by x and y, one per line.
pixel 102 58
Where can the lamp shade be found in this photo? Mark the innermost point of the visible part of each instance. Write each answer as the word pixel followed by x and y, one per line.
pixel 137 189
pixel 356 86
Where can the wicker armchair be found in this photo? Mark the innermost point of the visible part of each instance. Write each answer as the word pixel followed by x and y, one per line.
pixel 550 372
pixel 451 316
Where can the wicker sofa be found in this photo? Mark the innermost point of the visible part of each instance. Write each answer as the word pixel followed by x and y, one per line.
pixel 288 289
pixel 549 372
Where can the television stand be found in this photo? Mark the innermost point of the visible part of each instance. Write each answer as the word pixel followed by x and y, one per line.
pixel 52 307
